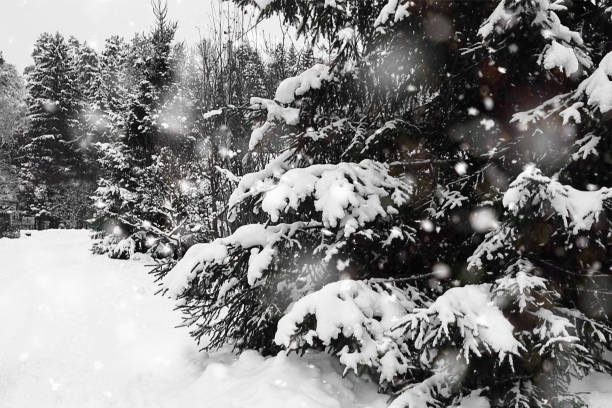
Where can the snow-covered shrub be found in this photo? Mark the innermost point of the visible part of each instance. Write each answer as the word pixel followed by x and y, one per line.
pixel 103 243
pixel 123 250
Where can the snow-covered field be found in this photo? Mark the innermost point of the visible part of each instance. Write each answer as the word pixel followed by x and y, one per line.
pixel 82 331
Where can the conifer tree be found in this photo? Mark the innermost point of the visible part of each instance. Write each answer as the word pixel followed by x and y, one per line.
pixel 50 158
pixel 419 222
pixel 148 134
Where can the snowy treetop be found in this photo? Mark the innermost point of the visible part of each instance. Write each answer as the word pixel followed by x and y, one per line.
pixel 598 86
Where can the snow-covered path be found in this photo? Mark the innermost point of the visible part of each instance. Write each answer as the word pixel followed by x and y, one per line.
pixel 79 331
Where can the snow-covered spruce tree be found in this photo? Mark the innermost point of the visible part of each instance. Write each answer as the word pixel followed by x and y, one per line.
pixel 557 210
pixel 52 164
pixel 328 207
pixel 111 90
pixel 147 133
pixel 393 153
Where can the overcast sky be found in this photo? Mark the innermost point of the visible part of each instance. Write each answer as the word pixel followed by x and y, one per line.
pixel 22 21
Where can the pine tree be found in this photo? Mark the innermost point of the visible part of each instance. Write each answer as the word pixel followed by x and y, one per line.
pixel 149 151
pixel 50 158
pixel 375 234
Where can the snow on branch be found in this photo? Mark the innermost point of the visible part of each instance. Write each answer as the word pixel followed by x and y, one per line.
pixel 587 146
pixel 286 93
pixel 563 47
pixel 299 85
pixel 578 209
pixel 598 86
pixel 260 239
pixel 446 200
pixel 596 89
pixel 530 295
pixel 276 113
pixel 347 195
pixel 481 324
pixel 228 174
pixel 394 10
pixel 554 329
pixel 520 285
pixel 423 394
pixel 106 193
pixel 586 326
pixel 541 111
pixel 490 247
pixel 358 310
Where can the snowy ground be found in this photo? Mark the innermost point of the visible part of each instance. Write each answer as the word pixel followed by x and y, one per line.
pixel 83 331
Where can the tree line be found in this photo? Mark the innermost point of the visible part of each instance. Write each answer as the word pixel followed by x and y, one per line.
pixel 134 134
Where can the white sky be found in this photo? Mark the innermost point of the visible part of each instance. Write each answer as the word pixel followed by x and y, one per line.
pixel 22 21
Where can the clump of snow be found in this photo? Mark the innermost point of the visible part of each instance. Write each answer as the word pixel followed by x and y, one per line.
pixel 212 113
pixel 572 113
pixel 557 55
pixel 469 308
pixel 276 113
pixel 578 209
pixel 395 8
pixel 299 85
pixel 354 309
pixel 193 262
pixel 250 236
pixel 597 89
pixel 382 320
pixel 348 195
pixel 346 34
pixel 521 285
pixel 310 381
pixel 598 86
pixel 423 394
pixel 501 18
